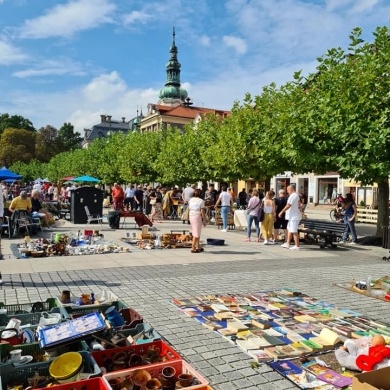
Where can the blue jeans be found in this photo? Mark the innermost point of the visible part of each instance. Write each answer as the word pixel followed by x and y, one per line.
pixel 349 227
pixel 224 216
pixel 252 218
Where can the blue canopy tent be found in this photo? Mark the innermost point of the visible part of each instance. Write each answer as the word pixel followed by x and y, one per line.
pixel 6 174
pixel 85 179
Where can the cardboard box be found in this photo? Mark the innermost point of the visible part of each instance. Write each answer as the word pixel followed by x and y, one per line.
pixel 372 380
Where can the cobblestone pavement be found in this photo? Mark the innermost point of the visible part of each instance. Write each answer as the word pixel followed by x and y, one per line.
pixel 148 280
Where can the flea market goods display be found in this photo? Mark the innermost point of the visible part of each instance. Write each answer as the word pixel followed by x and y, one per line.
pixel 173 240
pixel 89 341
pixel 88 243
pixel 370 287
pixel 279 324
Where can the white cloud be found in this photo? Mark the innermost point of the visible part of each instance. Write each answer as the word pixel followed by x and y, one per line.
pixel 65 20
pixel 363 5
pixel 58 67
pixel 106 94
pixel 10 54
pixel 204 40
pixel 137 17
pixel 238 44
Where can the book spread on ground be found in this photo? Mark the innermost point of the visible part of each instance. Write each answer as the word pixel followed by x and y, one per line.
pixel 335 379
pixel 285 367
pixel 327 338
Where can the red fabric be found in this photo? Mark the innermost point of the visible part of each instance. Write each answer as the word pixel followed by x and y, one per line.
pixel 375 355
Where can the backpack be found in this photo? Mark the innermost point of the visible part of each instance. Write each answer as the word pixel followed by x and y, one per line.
pixel 114 219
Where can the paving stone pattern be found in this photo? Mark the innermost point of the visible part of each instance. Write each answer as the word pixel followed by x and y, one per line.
pixel 235 268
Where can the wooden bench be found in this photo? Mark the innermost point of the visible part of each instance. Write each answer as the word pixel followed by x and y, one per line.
pixel 322 233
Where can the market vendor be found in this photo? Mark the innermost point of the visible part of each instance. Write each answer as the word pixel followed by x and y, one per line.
pixel 38 211
pixel 21 203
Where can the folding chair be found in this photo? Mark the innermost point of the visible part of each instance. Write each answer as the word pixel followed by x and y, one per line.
pixel 93 217
pixel 24 223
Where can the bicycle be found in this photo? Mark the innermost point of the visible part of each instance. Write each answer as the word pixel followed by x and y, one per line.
pixel 337 214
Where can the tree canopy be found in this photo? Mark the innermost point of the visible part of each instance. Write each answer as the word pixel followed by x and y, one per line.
pixel 15 122
pixel 335 119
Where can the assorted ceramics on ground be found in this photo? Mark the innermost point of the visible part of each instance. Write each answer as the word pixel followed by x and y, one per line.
pixel 87 342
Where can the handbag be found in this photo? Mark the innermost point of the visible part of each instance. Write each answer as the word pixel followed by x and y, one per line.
pixel 261 213
pixel 152 201
pixel 186 214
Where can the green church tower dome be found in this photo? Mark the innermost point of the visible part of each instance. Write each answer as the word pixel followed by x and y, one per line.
pixel 172 89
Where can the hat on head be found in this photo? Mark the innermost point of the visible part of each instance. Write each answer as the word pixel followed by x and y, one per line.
pixel 23 194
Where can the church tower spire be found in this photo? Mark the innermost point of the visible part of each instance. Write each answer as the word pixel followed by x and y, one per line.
pixel 172 92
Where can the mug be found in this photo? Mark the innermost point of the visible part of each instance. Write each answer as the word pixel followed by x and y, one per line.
pixel 113 317
pixel 16 355
pixel 13 323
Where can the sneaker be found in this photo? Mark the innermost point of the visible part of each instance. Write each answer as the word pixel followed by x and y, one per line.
pixel 265 242
pixel 353 243
pixel 341 242
pixel 212 220
pixel 224 230
pixel 271 242
pixel 295 248
pixel 285 245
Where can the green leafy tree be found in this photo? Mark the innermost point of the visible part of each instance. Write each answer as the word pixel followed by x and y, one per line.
pixel 47 143
pixel 16 145
pixel 69 138
pixel 137 157
pixel 31 170
pixel 345 109
pixel 15 122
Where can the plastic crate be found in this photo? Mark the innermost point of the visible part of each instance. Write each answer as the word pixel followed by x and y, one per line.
pixel 19 375
pixel 86 384
pixel 181 367
pixel 165 353
pixel 131 317
pixel 31 313
pixel 74 310
pixel 36 352
pixel 146 333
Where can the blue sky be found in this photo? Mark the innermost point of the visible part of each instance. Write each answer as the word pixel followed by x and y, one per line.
pixel 72 60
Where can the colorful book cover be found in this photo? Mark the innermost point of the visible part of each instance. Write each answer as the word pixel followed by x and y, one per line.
pixel 335 379
pixel 285 367
pixel 305 380
pixel 315 368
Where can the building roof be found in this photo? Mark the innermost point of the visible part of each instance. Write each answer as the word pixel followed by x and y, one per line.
pixel 184 111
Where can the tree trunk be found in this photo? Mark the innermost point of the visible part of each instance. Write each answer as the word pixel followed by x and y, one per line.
pixel 267 184
pixel 383 205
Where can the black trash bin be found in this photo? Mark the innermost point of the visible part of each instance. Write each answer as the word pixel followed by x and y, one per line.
pixel 85 196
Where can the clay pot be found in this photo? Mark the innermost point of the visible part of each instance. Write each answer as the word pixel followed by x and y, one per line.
pixel 152 384
pixel 140 377
pixel 116 383
pixel 185 380
pixel 168 373
pixel 135 360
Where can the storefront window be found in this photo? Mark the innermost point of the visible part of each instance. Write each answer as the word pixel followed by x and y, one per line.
pixel 327 190
pixel 281 184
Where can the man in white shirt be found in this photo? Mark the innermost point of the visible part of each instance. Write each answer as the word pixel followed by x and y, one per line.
pixel 129 201
pixel 37 186
pixel 294 216
pixel 188 193
pixel 226 202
